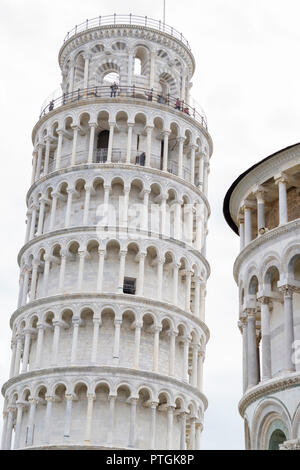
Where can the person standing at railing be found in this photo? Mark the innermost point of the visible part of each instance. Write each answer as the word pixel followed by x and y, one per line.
pixel 51 105
pixel 114 88
pixel 150 95
pixel 178 104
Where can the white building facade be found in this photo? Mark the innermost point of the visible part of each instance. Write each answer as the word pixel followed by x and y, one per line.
pixel 263 207
pixel 109 337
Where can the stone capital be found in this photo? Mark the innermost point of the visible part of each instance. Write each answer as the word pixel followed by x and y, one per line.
pixel 281 178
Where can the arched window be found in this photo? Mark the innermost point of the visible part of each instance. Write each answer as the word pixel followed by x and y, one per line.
pixel 278 437
pixel 137 66
pixel 141 61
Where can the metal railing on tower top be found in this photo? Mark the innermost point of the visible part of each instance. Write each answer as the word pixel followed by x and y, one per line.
pixel 125 92
pixel 127 20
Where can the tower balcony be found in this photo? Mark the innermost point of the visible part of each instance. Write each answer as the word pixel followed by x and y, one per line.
pixel 127 20
pixel 136 93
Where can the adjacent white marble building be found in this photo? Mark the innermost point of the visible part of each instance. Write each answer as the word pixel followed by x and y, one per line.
pixel 263 207
pixel 109 336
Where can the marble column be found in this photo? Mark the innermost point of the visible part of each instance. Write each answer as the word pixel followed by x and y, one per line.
pixel 68 416
pixel 173 334
pixel 34 164
pixel 176 268
pixel 188 281
pixel 261 220
pixel 28 336
pixel 166 150
pixel 43 202
pixel 55 196
pixel 39 162
pixel 18 354
pixel 71 192
pixel 93 127
pixel 248 225
pixel 181 141
pixel 62 270
pixel 253 376
pixel 20 408
pixel 149 145
pixel 35 266
pixel 195 366
pixel 33 221
pixel 193 433
pixel 13 357
pixel 122 271
pixel 74 145
pixel 47 155
pixel 153 425
pixel 137 343
pixel 185 366
pixel 183 432
pixel 26 284
pixel 132 424
pixel 82 256
pixel 97 323
pixel 100 270
pixel 129 142
pixel 76 324
pixel 39 346
pixel 266 338
pixel 289 336
pixel 31 420
pixel 9 429
pixel 140 290
pixel 170 427
pixel 89 419
pixel 160 273
pixel 47 424
pixel 201 358
pixel 111 432
pixel 193 159
pixel 110 142
pixel 46 275
pixel 116 353
pixel 242 232
pixel 157 330
pixel 145 210
pixel 244 329
pixel 281 181
pixel 60 133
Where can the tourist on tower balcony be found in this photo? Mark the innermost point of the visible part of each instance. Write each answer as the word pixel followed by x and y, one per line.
pixel 114 88
pixel 178 104
pixel 51 105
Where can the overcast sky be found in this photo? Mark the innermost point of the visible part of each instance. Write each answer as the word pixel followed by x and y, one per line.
pixel 247 80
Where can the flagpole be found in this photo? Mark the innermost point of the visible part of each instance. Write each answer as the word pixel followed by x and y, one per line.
pixel 164 12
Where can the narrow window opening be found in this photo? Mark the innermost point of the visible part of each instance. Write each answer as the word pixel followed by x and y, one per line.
pixel 102 147
pixel 129 286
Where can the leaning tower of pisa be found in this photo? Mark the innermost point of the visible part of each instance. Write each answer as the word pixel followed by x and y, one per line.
pixel 109 335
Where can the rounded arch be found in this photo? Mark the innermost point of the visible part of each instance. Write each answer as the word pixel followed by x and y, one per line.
pixel 268 414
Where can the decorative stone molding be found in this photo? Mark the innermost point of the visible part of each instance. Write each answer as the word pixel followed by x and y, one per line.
pixel 263 389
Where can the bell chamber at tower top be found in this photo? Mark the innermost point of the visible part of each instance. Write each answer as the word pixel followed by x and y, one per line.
pixel 146 59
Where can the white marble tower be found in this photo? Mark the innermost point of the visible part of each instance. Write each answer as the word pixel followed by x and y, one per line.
pixel 109 336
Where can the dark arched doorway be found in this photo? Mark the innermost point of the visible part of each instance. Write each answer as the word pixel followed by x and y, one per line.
pixel 278 437
pixel 102 146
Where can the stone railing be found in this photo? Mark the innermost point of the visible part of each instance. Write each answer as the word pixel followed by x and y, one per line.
pixel 134 20
pixel 125 92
